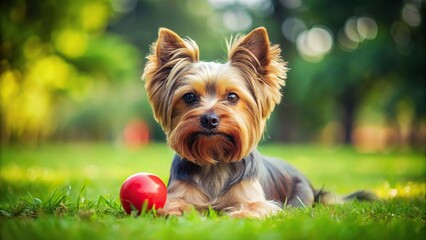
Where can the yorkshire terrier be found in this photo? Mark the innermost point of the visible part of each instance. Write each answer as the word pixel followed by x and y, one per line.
pixel 214 116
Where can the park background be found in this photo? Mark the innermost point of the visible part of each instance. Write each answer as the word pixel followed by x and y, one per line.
pixel 70 70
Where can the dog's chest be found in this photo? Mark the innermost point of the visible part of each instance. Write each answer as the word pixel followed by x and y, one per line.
pixel 213 179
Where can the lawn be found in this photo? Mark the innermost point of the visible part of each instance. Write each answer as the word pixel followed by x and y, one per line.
pixel 70 191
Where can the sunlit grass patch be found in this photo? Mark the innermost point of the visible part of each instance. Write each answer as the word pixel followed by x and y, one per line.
pixel 16 173
pixel 403 189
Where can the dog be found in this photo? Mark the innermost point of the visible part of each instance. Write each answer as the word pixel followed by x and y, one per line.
pixel 214 116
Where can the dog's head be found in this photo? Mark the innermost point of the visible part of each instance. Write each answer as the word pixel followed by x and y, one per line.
pixel 210 111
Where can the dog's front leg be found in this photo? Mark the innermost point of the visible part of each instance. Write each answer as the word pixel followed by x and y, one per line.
pixel 183 197
pixel 247 199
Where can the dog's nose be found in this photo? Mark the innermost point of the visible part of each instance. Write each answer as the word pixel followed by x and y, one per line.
pixel 209 120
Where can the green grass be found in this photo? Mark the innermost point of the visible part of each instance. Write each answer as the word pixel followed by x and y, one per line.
pixel 71 192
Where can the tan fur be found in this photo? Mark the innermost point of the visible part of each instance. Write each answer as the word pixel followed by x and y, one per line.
pixel 170 56
pixel 182 197
pixel 246 199
pixel 262 66
pixel 173 70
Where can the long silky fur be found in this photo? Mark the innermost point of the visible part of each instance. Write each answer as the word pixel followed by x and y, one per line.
pixel 221 167
pixel 161 78
pixel 265 76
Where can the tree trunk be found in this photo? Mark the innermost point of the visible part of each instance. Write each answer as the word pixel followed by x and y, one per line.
pixel 348 117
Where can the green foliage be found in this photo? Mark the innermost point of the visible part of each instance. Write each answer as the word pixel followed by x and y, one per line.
pixel 339 87
pixel 56 55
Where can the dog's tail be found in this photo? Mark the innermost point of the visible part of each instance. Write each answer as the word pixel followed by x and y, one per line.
pixel 329 198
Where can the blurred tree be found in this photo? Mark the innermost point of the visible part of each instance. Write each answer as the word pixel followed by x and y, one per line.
pixel 72 68
pixel 51 52
pixel 344 78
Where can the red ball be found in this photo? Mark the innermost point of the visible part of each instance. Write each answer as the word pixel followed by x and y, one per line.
pixel 140 188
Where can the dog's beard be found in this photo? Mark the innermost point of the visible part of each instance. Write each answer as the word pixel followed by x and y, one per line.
pixel 227 143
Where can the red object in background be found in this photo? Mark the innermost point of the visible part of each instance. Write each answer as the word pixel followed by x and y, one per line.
pixel 141 187
pixel 136 133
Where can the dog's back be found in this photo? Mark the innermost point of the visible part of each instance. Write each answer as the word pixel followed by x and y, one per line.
pixel 285 184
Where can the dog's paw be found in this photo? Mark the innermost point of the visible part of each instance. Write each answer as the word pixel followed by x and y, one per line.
pixel 255 210
pixel 243 214
pixel 174 207
pixel 169 212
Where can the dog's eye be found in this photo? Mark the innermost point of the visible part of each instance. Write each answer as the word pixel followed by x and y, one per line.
pixel 190 98
pixel 232 98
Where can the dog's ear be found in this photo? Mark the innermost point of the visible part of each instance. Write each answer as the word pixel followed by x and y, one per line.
pixel 261 64
pixel 252 49
pixel 170 46
pixel 169 55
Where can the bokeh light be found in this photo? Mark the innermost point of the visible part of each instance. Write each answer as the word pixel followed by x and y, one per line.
pixel 355 31
pixel 367 28
pixel 314 44
pixel 345 43
pixel 351 30
pixel 71 43
pixel 237 20
pixel 94 16
pixel 292 27
pixel 411 15
pixel 237 14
